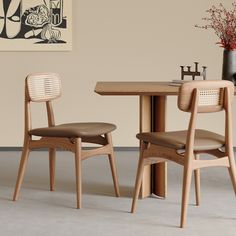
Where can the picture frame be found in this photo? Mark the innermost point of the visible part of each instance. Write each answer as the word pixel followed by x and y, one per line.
pixel 35 25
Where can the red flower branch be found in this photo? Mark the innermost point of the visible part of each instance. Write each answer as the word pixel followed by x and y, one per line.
pixel 223 22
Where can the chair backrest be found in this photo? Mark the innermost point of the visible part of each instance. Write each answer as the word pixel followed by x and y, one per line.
pixel 205 97
pixel 43 87
pixel 211 95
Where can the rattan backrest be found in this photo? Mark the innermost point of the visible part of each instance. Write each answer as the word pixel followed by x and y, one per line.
pixel 43 87
pixel 210 95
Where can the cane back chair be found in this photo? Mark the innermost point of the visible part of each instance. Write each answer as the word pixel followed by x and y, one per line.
pixel 184 147
pixel 45 87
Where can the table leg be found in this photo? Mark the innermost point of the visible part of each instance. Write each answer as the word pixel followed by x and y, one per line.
pixel 145 123
pixel 159 171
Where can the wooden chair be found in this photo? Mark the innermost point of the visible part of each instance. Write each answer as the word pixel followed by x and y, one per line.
pixel 184 147
pixel 45 88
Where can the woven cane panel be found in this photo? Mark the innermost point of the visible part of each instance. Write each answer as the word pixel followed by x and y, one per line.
pixel 43 87
pixel 209 97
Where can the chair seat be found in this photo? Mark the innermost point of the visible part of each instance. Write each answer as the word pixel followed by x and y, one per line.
pixel 74 130
pixel 204 140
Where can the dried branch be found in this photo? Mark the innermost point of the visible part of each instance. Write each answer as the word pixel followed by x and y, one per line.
pixel 223 22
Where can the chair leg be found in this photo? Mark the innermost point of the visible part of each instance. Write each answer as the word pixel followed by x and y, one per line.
pixel 197 183
pixel 185 193
pixel 52 161
pixel 138 182
pixel 232 171
pixel 113 165
pixel 78 162
pixel 114 174
pixel 22 167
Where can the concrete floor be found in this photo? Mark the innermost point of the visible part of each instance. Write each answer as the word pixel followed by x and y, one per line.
pixel 40 212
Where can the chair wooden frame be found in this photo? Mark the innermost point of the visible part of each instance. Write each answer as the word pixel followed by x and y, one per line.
pixel 189 159
pixel 71 144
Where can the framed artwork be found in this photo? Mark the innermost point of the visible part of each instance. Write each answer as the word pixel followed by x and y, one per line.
pixel 35 25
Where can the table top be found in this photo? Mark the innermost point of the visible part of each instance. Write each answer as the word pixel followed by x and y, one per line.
pixel 136 88
pixel 151 88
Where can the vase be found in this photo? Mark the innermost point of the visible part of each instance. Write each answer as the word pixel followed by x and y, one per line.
pixel 229 66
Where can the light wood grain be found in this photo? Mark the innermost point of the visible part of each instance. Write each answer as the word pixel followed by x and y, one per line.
pixel 197 183
pixel 44 88
pixel 158 91
pixel 145 121
pixel 78 169
pixel 111 157
pixel 151 88
pixel 139 177
pixel 159 125
pixel 153 153
pixel 136 88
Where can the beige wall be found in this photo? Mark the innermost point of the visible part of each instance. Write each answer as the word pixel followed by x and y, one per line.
pixel 128 40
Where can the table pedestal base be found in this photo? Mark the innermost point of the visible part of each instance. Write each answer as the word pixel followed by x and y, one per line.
pixel 152 119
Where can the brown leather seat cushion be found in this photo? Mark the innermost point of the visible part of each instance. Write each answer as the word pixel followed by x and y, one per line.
pixel 204 140
pixel 74 130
